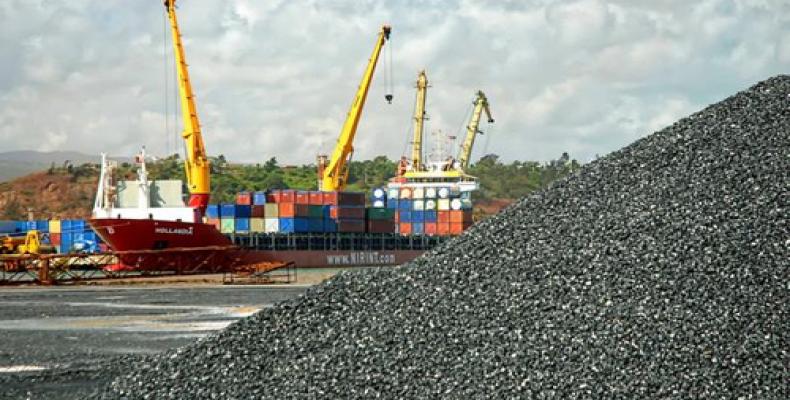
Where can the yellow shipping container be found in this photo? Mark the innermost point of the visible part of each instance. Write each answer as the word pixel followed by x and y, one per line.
pixel 54 226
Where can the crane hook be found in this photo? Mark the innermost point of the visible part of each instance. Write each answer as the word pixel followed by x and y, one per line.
pixel 388 97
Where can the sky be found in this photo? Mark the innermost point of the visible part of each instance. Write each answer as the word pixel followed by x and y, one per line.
pixel 275 78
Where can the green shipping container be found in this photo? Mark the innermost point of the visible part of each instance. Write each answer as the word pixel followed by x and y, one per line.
pixel 271 210
pixel 315 212
pixel 381 213
pixel 227 225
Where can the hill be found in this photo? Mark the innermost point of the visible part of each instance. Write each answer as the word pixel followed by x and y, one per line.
pixel 14 164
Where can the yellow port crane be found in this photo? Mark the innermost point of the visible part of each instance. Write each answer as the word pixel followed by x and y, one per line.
pixel 333 173
pixel 196 164
pixel 465 153
pixel 419 122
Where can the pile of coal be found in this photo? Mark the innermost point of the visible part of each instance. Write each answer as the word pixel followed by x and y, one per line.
pixel 658 271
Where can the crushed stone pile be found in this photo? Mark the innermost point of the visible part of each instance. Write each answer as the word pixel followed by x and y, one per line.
pixel 658 271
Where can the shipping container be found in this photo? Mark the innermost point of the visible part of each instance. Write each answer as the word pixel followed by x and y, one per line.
pixel 418 205
pixel 302 197
pixel 380 226
pixel 392 203
pixel 301 211
pixel 443 217
pixel 405 205
pixel 286 210
pixel 405 216
pixel 457 216
pixel 258 211
pixel 418 193
pixel 271 210
pixel 30 226
pixel 259 198
pixel 455 204
pixel 227 210
pixel 227 225
pixel 329 198
pixel 330 225
pixel 66 241
pixel 404 228
pixel 380 213
pixel 405 193
pixel 378 203
pixel 429 228
pixel 430 193
pixel 430 204
pixel 212 211
pixel 316 198
pixel 257 225
pixel 271 225
pixel 316 211
pixel 429 216
pixel 287 196
pixel 244 198
pixel 301 225
pixel 393 194
pixel 214 222
pixel 54 226
pixel 340 212
pixel 42 225
pixel 443 204
pixel 242 225
pixel 456 228
pixel 243 211
pixel 351 199
pixel 417 216
pixel 443 193
pixel 351 225
pixel 315 225
pixel 442 228
pixel 54 239
pixel 8 227
pixel 273 196
pixel 287 225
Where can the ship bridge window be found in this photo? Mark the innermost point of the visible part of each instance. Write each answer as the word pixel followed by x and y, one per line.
pixel 150 216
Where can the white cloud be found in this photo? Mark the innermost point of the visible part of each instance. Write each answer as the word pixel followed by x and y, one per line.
pixel 276 78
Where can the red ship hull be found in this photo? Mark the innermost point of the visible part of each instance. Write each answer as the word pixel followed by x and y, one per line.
pixel 147 234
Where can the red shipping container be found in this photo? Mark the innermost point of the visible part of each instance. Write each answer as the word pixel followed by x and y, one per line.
pixel 301 210
pixel 443 217
pixel 329 198
pixel 302 197
pixel 456 228
pixel 257 212
pixel 54 239
pixel 405 228
pixel 244 198
pixel 430 228
pixel 443 228
pixel 273 196
pixel 457 216
pixel 338 212
pixel 286 210
pixel 381 226
pixel 351 199
pixel 351 225
pixel 287 196
pixel 316 198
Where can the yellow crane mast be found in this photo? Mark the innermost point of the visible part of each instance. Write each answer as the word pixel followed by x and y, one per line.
pixel 465 154
pixel 196 163
pixel 333 173
pixel 419 120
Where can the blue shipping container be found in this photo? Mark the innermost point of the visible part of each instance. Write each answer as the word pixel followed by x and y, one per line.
pixel 21 226
pixel 212 211
pixel 405 204
pixel 315 225
pixel 392 203
pixel 417 216
pixel 259 198
pixel 404 216
pixel 417 227
pixel 429 216
pixel 287 225
pixel 30 225
pixel 7 226
pixel 243 211
pixel 301 225
pixel 242 225
pixel 330 225
pixel 78 225
pixel 42 225
pixel 227 210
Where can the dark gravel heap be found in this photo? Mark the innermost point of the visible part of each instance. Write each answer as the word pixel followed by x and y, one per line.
pixel 659 271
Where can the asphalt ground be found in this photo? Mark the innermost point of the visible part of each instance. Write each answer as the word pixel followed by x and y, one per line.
pixel 59 343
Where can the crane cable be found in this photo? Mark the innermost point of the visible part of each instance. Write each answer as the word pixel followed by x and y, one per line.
pixel 461 132
pixel 389 89
pixel 166 85
pixel 489 132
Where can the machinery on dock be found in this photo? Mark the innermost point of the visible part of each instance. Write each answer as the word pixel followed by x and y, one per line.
pixel 30 243
pixel 333 172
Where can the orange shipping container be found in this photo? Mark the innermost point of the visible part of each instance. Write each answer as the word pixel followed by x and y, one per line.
pixel 443 228
pixel 316 198
pixel 244 198
pixel 405 228
pixel 329 198
pixel 456 228
pixel 54 239
pixel 287 196
pixel 287 210
pixel 430 228
pixel 302 197
pixel 443 217
pixel 460 216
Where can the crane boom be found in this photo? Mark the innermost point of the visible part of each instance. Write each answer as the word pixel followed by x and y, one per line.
pixel 481 104
pixel 419 120
pixel 333 174
pixel 196 164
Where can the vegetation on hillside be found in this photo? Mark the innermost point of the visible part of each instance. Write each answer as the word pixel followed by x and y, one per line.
pixel 500 182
